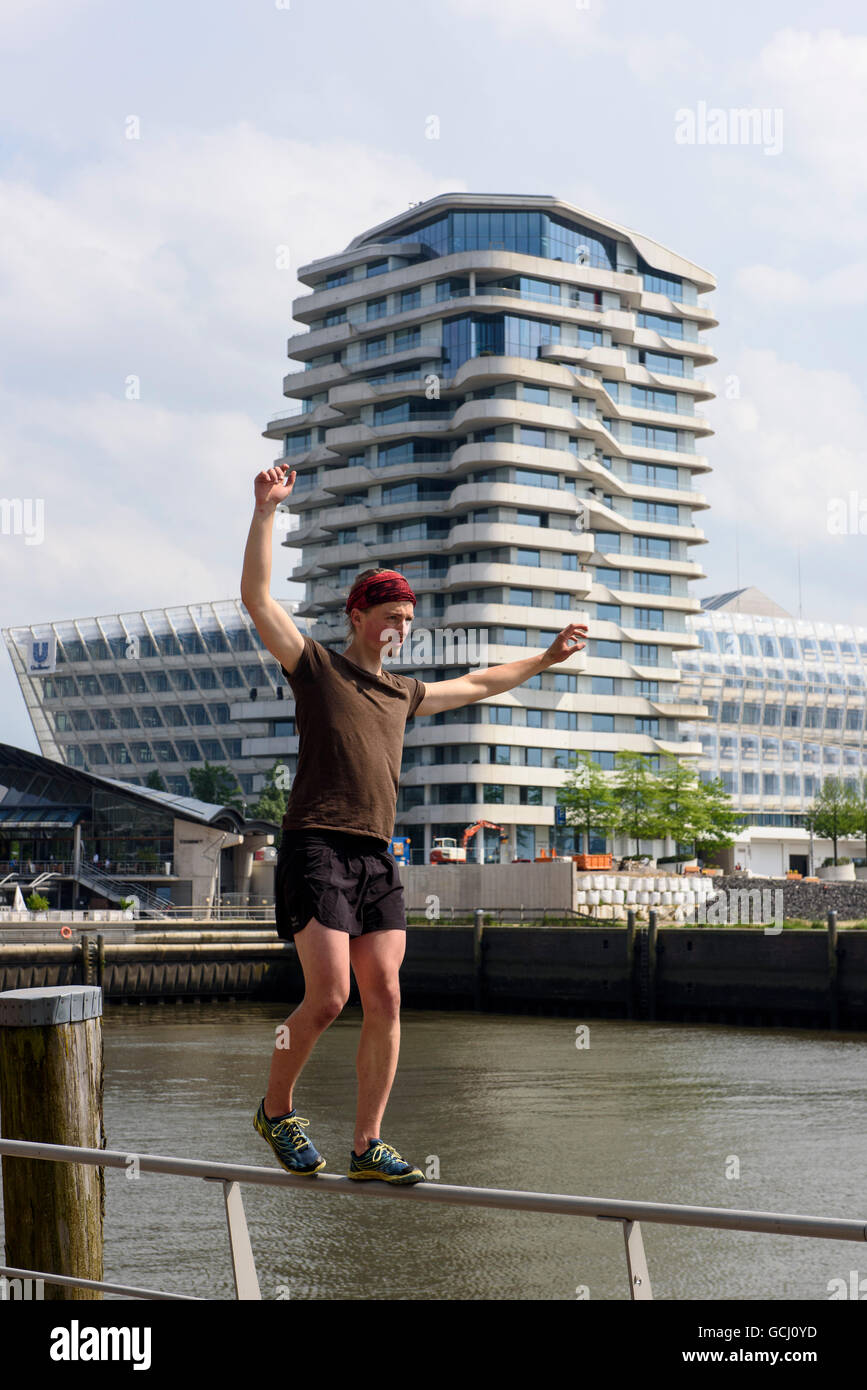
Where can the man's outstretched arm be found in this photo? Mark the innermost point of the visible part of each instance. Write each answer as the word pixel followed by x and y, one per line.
pixel 494 680
pixel 272 622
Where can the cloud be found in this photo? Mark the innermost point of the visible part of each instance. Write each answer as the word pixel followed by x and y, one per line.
pixel 157 260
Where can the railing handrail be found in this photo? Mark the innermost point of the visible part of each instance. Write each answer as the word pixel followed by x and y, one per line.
pixel 562 1204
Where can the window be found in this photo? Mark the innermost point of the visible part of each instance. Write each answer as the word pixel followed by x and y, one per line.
pixel 608 612
pixel 528 557
pixel 649 617
pixel 602 723
pixel 529 435
pixel 533 757
pixel 651 583
pixel 524 597
pixel 410 299
pixel 530 477
pixel 494 791
pixel 646 655
pixel 500 753
pixel 565 719
pixel 647 726
pixel 499 714
pixel 376 267
pixel 515 636
pixel 534 719
pixel 609 650
pixel 531 796
pixel 602 685
pixel 377 308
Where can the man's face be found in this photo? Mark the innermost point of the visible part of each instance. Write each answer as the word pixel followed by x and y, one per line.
pixel 380 623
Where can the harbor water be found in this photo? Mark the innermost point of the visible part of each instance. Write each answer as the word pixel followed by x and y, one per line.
pixel 763 1119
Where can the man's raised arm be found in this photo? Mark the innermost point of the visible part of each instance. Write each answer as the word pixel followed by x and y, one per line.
pixel 494 680
pixel 272 622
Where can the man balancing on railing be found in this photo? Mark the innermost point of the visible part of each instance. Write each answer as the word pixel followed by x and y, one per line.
pixel 338 893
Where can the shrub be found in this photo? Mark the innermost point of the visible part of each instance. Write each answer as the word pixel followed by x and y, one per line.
pixel 37 903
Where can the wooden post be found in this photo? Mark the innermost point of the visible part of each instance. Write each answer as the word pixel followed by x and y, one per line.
pixel 478 967
pixel 652 929
pixel 630 963
pixel 51 1087
pixel 833 987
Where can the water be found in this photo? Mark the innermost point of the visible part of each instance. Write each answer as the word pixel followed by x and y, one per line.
pixel 649 1111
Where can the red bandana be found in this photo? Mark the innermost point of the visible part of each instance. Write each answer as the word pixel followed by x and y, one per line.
pixel 379 588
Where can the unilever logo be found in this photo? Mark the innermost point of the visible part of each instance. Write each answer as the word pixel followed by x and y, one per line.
pixel 40 654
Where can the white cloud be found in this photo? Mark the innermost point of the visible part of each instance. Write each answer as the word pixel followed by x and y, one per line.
pixel 844 286
pixel 158 260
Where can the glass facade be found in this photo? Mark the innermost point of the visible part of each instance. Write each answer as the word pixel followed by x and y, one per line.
pixel 787 700
pixel 111 704
pixel 531 233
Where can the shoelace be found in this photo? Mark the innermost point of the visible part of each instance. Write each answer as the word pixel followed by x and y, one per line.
pixel 284 1129
pixel 385 1148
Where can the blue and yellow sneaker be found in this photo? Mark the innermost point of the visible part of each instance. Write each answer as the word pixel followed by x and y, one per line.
pixel 380 1160
pixel 287 1138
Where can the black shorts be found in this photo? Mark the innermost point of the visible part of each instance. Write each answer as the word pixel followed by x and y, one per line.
pixel 348 882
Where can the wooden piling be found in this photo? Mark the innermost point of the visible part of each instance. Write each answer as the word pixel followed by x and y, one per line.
pixel 51 1092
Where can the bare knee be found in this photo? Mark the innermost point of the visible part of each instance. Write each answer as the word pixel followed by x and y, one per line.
pixel 383 1001
pixel 325 1008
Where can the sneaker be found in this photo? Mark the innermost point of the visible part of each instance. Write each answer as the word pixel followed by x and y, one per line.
pixel 294 1150
pixel 380 1160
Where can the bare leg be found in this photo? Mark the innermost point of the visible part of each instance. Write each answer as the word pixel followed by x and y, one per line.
pixel 376 960
pixel 324 956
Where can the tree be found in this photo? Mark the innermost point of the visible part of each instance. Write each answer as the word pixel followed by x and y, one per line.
pixel 834 813
pixel 217 785
pixel 588 798
pixel 154 779
pixel 273 798
pixel 680 802
pixel 861 812
pixel 717 821
pixel 635 796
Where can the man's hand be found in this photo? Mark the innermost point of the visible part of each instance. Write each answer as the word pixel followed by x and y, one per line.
pixel 566 643
pixel 274 485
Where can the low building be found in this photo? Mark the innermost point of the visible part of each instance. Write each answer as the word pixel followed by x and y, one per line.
pixel 84 841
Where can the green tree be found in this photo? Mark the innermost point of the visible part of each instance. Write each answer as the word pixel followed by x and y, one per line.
pixel 273 798
pixel 588 798
pixel 679 800
pixel 718 822
pixel 861 812
pixel 154 779
pixel 635 795
pixel 834 812
pixel 217 785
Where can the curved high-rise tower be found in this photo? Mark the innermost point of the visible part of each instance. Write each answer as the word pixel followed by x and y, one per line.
pixel 500 397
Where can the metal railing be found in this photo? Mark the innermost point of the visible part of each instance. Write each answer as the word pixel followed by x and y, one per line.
pixel 246 1280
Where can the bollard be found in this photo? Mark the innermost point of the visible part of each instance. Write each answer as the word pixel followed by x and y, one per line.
pixel 51 1088
pixel 651 963
pixel 833 990
pixel 630 964
pixel 478 930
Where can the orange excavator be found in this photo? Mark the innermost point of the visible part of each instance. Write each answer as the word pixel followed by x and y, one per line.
pixel 447 850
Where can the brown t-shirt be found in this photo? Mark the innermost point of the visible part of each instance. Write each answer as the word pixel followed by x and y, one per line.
pixel 351 727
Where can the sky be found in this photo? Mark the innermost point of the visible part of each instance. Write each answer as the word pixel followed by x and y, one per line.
pixel 166 168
